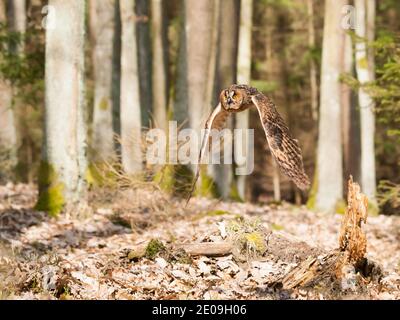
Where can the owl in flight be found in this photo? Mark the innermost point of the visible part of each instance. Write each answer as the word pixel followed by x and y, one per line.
pixel 283 147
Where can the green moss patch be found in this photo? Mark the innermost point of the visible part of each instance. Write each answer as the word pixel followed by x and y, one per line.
pixel 165 178
pixel 51 191
pixel 312 197
pixel 153 248
pixel 340 207
pixel 249 237
pixel 276 227
pixel 373 209
pixel 104 105
pixel 213 213
pixel 234 193
pixel 207 186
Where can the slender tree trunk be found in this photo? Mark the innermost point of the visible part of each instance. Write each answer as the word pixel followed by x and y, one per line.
pixel 142 8
pixel 198 70
pixel 276 73
pixel 351 120
pixel 61 177
pixel 16 12
pixel 130 100
pixel 160 64
pixel 199 19
pixel 102 18
pixel 226 76
pixel 244 73
pixel 116 76
pixel 8 134
pixel 181 93
pixel 365 73
pixel 330 156
pixel 313 65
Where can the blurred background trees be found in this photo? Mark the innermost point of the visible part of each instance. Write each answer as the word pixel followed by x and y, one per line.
pixel 151 61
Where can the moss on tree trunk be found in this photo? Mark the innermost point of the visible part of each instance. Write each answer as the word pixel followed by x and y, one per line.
pixel 51 190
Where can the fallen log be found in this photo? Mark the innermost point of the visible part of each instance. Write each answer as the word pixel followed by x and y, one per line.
pixel 209 249
pixel 278 244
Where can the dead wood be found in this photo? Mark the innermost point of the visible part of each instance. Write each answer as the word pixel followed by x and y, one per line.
pixel 209 249
pixel 345 265
pixel 280 245
pixel 352 238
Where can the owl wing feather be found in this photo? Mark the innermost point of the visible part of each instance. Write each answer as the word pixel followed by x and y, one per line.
pixel 283 147
pixel 216 120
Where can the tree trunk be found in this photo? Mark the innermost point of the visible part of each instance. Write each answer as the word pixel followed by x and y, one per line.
pixel 8 134
pixel 160 64
pixel 144 59
pixel 180 113
pixel 196 71
pixel 244 74
pixel 13 13
pixel 329 158
pixel 276 74
pixel 102 18
pixel 61 178
pixel 16 12
pixel 313 65
pixel 351 119
pixel 226 76
pixel 200 19
pixel 365 73
pixel 130 100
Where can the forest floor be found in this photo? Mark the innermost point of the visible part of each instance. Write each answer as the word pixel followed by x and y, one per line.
pixel 96 257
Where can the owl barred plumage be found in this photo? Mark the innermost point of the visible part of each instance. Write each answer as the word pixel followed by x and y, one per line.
pixel 285 150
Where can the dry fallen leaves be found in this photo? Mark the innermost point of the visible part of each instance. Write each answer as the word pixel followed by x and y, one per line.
pixel 92 254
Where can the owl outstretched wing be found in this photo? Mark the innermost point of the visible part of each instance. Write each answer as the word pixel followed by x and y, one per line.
pixel 284 148
pixel 215 121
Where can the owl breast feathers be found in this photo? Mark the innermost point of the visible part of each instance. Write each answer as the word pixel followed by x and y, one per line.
pixel 285 150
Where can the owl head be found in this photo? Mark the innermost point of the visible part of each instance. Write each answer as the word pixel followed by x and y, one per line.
pixel 236 98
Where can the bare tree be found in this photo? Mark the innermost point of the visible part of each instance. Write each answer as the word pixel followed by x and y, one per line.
pixel 61 178
pixel 160 67
pixel 313 65
pixel 103 32
pixel 8 134
pixel 197 64
pixel 130 93
pixel 244 72
pixel 225 76
pixel 200 18
pixel 180 113
pixel 143 40
pixel 365 29
pixel 329 173
pixel 16 15
pixel 276 74
pixel 350 118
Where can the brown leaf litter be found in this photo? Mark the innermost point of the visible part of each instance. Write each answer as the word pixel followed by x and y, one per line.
pixel 296 256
